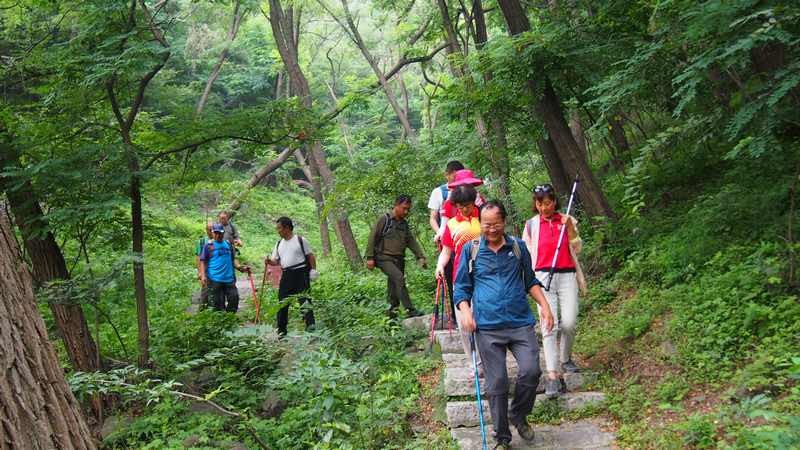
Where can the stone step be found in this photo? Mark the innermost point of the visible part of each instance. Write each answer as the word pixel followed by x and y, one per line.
pixel 465 413
pixel 460 381
pixel 449 341
pixel 418 323
pixel 583 434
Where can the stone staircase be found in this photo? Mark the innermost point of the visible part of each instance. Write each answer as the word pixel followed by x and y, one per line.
pixel 462 409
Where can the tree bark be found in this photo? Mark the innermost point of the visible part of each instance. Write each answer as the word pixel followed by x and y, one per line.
pixel 48 264
pixel 349 26
pixel 267 169
pixel 238 15
pixel 286 39
pixel 37 408
pixel 549 110
pixel 316 187
pixel 553 163
pixel 620 140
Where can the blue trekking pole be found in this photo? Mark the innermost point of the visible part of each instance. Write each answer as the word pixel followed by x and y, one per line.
pixel 561 235
pixel 478 388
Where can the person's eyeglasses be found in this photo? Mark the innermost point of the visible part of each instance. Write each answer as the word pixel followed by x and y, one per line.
pixel 493 227
pixel 543 189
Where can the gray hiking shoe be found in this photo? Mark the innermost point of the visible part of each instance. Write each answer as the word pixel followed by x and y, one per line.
pixel 570 366
pixel 552 388
pixel 502 446
pixel 525 431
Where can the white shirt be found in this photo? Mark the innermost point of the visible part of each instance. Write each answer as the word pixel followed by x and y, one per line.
pixel 436 201
pixel 288 253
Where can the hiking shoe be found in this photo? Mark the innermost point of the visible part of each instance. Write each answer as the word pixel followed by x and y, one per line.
pixel 525 431
pixel 570 366
pixel 552 388
pixel 413 313
pixel 502 446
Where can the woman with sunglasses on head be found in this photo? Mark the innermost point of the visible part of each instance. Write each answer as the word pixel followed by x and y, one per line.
pixel 541 236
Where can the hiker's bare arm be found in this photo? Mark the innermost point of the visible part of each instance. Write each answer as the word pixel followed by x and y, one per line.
pixel 433 219
pixel 467 321
pixel 444 258
pixel 202 273
pixel 312 261
pixel 544 308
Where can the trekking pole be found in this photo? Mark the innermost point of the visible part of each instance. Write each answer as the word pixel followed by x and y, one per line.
pixel 256 302
pixel 561 234
pixel 450 312
pixel 477 387
pixel 435 311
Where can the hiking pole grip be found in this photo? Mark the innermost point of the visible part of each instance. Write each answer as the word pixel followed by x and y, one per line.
pixel 561 234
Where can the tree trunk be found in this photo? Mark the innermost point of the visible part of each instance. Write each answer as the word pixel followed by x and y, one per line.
pixel 549 110
pixel 283 30
pixel 37 408
pixel 551 160
pixel 267 169
pixel 137 247
pixel 48 264
pixel 620 140
pixel 316 188
pixel 238 15
pixel 355 35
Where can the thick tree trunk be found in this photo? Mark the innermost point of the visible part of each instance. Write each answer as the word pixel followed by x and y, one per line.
pixel 37 408
pixel 48 264
pixel 620 140
pixel 283 30
pixel 316 188
pixel 549 110
pixel 551 160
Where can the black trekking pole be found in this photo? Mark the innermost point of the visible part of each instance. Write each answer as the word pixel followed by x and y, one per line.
pixel 561 234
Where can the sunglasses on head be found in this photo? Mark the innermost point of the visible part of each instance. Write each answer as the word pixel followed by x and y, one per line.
pixel 543 189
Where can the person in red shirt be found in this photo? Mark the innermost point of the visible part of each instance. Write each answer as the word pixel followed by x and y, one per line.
pixel 457 231
pixel 448 209
pixel 541 236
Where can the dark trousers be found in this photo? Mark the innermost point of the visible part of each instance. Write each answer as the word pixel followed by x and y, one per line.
pixel 294 282
pixel 204 301
pixel 492 345
pixel 448 278
pixel 395 269
pixel 223 296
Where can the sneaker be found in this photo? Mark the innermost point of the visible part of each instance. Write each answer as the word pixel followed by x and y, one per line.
pixel 502 446
pixel 570 366
pixel 525 431
pixel 552 388
pixel 413 313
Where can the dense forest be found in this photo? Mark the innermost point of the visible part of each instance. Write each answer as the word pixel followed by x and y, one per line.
pixel 126 125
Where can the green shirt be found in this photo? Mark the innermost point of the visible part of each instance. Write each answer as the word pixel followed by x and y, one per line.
pixel 394 241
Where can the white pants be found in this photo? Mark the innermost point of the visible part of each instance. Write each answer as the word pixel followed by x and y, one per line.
pixel 563 301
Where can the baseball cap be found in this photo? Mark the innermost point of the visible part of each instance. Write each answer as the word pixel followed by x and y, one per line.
pixel 217 228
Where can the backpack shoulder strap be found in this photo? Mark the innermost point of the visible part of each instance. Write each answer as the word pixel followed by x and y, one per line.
pixel 303 249
pixel 445 192
pixel 475 245
pixel 386 224
pixel 518 253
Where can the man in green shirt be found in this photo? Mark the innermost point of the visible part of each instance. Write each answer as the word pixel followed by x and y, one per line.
pixel 197 249
pixel 386 249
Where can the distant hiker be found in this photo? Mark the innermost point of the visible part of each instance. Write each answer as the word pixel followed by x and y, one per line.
pixel 298 263
pixel 461 229
pixel 438 196
pixel 231 233
pixel 386 249
pixel 493 282
pixel 208 238
pixel 541 238
pixel 217 262
pixel 462 177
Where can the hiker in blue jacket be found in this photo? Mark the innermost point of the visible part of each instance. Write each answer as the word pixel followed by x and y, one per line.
pixel 492 286
pixel 217 262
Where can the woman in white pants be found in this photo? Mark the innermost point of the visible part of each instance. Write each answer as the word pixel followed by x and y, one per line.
pixel 541 237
